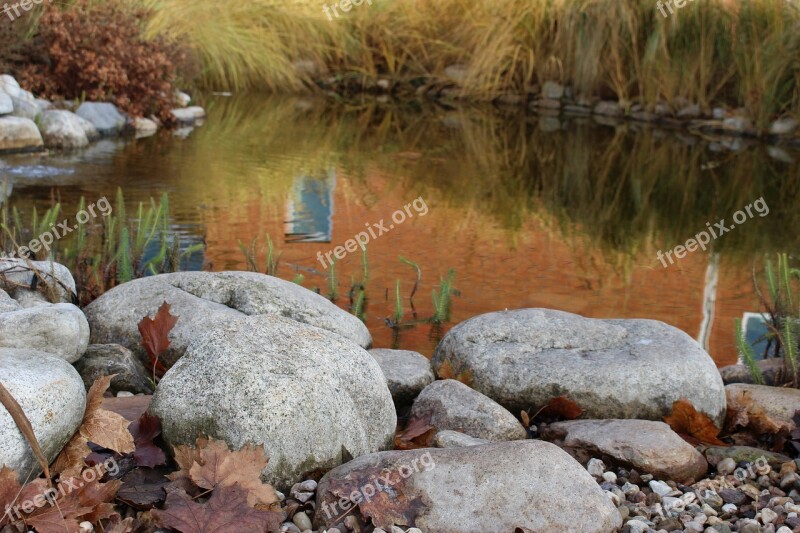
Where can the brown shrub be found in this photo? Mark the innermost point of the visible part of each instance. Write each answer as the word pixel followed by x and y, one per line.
pixel 97 52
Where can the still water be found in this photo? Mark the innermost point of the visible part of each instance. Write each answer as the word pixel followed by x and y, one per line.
pixel 563 214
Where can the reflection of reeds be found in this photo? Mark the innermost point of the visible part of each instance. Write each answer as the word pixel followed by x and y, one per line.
pixel 741 54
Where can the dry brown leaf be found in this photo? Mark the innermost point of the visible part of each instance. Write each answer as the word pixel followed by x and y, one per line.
pixel 744 413
pixel 693 426
pixel 99 426
pixel 419 433
pixel 446 372
pixel 561 407
pixel 155 335
pixel 389 506
pixel 211 464
pixel 226 511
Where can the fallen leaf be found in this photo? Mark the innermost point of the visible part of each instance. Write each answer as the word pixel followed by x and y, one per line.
pixel 130 407
pixel 81 501
pixel 389 506
pixel 143 488
pixel 744 413
pixel 99 426
pixel 419 433
pixel 446 372
pixel 144 430
pixel 561 407
pixel 155 335
pixel 9 492
pixel 212 464
pixel 693 426
pixel 226 511
pixel 125 526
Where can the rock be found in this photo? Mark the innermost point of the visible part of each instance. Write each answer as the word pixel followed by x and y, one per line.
pixel 608 109
pixel 455 406
pixel 188 115
pixel 457 73
pixel 309 395
pixel 105 117
pixel 9 86
pixel 59 329
pixel 144 127
pixel 6 104
pixel 110 359
pixel 19 135
pixel 182 99
pixel 407 372
pixel 771 369
pixel 206 299
pixel 596 467
pixel 497 487
pixel 738 124
pixel 778 403
pixel 726 466
pixel 25 108
pixel 552 90
pixel 54 278
pixel 744 454
pixel 612 368
pixel 63 129
pixel 783 126
pixel 649 447
pixel 51 394
pixel 454 439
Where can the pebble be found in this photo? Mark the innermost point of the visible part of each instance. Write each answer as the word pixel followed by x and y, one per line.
pixel 726 466
pixel 660 488
pixel 611 477
pixel 302 521
pixel 768 516
pixel 596 467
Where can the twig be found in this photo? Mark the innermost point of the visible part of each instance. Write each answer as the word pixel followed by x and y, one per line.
pixel 24 425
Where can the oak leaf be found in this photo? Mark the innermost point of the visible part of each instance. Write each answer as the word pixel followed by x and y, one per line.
pixel 226 511
pixel 104 428
pixel 693 426
pixel 144 430
pixel 419 433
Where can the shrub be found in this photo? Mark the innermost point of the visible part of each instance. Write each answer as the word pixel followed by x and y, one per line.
pixel 96 51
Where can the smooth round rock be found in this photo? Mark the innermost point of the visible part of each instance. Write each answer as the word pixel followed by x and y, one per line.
pixel 51 394
pixel 407 372
pixel 311 397
pixel 522 359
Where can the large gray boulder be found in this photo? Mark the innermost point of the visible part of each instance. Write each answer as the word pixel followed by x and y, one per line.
pixel 64 129
pixel 311 397
pixel 648 446
pixel 779 403
pixel 454 406
pixel 105 117
pixel 58 329
pixel 51 394
pixel 6 104
pixel 612 368
pixel 203 300
pixel 496 487
pixel 19 135
pixel 407 372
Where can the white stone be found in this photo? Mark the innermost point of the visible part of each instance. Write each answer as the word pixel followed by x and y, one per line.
pixel 188 115
pixel 64 129
pixel 144 127
pixel 19 134
pixel 9 86
pixel 6 104
pixel 59 329
pixel 103 116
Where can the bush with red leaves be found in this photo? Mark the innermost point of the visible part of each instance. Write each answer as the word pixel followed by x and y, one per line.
pixel 97 52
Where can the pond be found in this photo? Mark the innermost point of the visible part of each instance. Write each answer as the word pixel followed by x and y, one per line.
pixel 528 211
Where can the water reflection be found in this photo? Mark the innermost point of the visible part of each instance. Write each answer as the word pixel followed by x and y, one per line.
pixel 559 213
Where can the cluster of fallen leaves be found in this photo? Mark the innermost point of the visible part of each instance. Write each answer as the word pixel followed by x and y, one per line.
pixel 746 424
pixel 135 489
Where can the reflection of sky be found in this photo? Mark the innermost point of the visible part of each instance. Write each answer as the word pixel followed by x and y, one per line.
pixel 754 331
pixel 310 209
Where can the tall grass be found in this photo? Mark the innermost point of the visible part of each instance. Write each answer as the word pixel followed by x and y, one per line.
pixel 716 51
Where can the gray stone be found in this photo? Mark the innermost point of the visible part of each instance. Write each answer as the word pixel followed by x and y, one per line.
pixel 744 454
pixel 552 90
pixel 407 372
pixel 105 117
pixel 783 126
pixel 9 86
pixel 58 329
pixel 6 104
pixel 608 109
pixel 51 394
pixel 779 403
pixel 205 299
pixel 309 396
pixel 649 447
pixel 19 135
pixel 182 99
pixel 7 303
pixel 144 127
pixel 25 108
pixel 188 115
pixel 773 371
pixel 455 406
pixel 54 279
pixel 64 129
pixel 129 373
pixel 524 358
pixel 497 487
pixel 455 439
